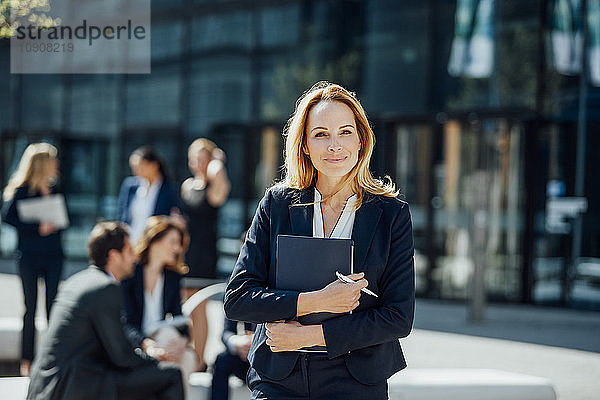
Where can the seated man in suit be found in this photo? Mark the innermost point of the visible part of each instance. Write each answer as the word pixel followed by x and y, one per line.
pixel 86 353
pixel 234 360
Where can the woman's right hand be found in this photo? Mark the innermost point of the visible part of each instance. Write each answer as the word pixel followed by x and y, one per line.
pixel 175 348
pixel 46 228
pixel 337 297
pixel 340 297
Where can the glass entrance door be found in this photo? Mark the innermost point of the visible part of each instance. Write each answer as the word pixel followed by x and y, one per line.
pixel 464 183
pixel 478 206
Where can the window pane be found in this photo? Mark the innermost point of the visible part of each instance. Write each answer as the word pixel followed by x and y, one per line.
pixel 154 99
pixel 280 25
pixel 94 104
pixel 42 102
pixel 166 40
pixel 220 92
pixel 395 58
pixel 222 30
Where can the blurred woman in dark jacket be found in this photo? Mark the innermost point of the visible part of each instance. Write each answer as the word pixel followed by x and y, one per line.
pixel 148 193
pixel 40 250
pixel 152 294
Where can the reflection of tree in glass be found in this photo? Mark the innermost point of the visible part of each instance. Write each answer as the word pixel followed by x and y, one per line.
pixel 14 12
pixel 514 80
pixel 290 79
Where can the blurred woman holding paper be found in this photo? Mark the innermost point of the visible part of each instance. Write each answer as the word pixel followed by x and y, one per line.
pixel 328 191
pixel 40 250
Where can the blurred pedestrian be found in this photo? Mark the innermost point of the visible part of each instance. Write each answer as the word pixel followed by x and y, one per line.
pixel 127 184
pixel 201 196
pixel 237 338
pixel 150 194
pixel 86 353
pixel 328 192
pixel 40 250
pixel 152 294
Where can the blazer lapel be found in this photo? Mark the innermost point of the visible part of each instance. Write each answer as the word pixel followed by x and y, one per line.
pixel 159 201
pixel 166 292
pixel 365 224
pixel 139 291
pixel 301 216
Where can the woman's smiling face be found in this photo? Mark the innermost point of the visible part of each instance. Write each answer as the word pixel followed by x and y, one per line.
pixel 168 248
pixel 332 140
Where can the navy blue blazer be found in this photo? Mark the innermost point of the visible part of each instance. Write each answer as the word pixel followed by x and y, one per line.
pixel 30 240
pixel 167 199
pixel 383 250
pixel 133 293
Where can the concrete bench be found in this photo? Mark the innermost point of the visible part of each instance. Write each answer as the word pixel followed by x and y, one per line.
pixel 426 384
pixel 200 383
pixel 14 388
pixel 467 384
pixel 10 336
pixel 411 384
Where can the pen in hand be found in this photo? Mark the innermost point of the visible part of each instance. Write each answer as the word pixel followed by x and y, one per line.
pixel 345 279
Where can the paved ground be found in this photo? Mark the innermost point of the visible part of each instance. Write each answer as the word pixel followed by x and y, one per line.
pixel 561 345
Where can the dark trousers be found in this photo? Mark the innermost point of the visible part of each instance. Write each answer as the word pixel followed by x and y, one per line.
pixel 154 381
pixel 31 267
pixel 315 377
pixel 226 365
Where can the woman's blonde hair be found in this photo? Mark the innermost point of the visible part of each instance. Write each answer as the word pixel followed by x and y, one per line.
pixel 299 170
pixel 31 169
pixel 156 228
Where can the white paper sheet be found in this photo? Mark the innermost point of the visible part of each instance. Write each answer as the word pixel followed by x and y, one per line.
pixel 44 209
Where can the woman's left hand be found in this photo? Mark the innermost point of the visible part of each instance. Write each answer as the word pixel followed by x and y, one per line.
pixel 290 336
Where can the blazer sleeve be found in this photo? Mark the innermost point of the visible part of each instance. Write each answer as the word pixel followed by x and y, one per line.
pixel 174 198
pixel 394 317
pixel 11 216
pixel 130 313
pixel 123 202
pixel 59 190
pixel 168 198
pixel 247 296
pixel 173 293
pixel 106 319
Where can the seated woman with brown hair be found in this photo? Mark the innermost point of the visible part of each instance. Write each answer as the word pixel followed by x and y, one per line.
pixel 152 294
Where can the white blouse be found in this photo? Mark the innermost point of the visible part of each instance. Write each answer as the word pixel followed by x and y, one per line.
pixel 142 207
pixel 342 230
pixel 153 306
pixel 343 226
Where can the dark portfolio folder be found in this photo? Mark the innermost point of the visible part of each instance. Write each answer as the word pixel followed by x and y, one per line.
pixel 307 263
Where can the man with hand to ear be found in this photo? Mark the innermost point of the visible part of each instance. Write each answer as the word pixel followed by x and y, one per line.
pixel 86 353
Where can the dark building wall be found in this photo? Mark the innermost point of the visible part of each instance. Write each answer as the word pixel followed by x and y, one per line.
pixel 232 70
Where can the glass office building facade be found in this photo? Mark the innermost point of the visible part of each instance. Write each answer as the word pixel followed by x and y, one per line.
pixel 473 104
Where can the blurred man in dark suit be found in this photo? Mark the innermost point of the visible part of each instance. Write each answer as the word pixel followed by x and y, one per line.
pixel 86 353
